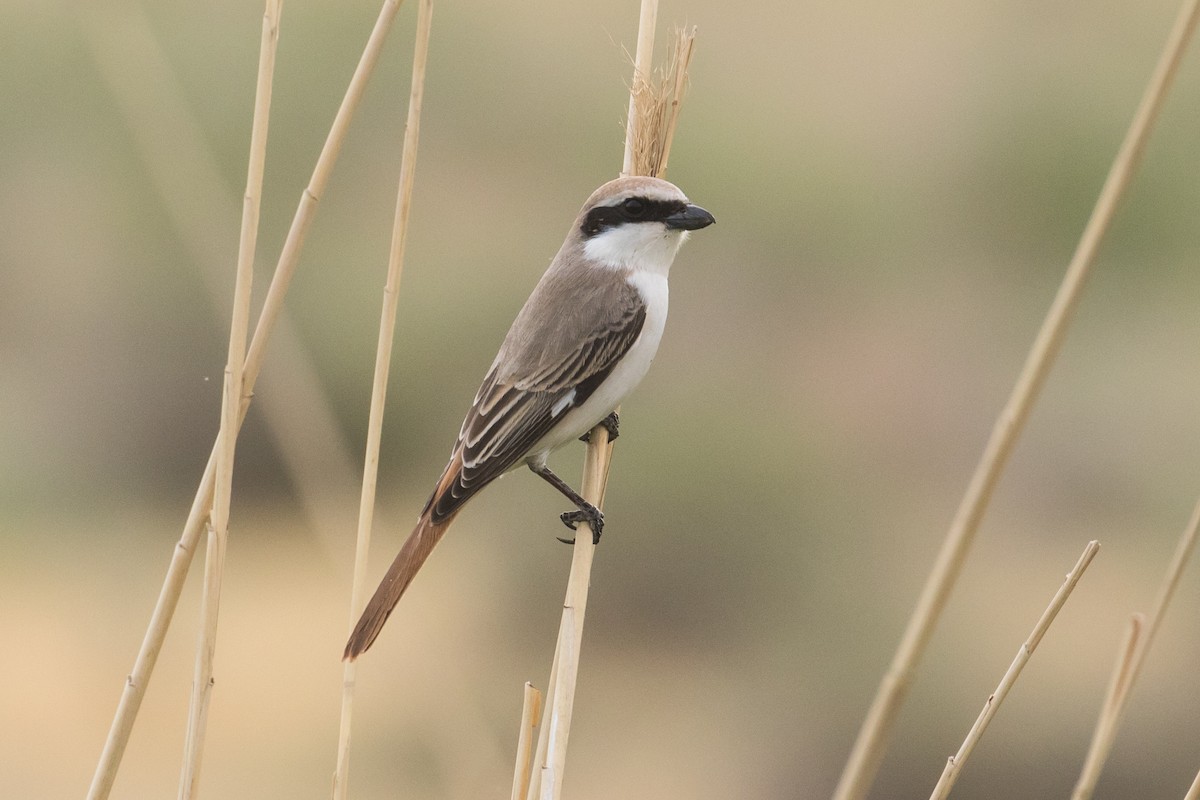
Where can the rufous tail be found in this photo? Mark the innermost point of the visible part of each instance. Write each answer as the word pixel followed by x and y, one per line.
pixel 412 555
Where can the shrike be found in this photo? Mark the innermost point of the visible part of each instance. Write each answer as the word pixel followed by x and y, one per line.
pixel 582 342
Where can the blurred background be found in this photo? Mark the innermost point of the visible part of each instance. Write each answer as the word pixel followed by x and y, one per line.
pixel 899 187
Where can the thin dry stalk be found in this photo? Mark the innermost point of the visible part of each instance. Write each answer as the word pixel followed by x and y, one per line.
pixel 1105 730
pixel 383 360
pixel 570 631
pixel 643 58
pixel 1133 656
pixel 168 599
pixel 955 763
pixel 218 529
pixel 876 730
pixel 531 717
pixel 653 108
pixel 195 196
pixel 533 788
pixel 202 678
pixel 1193 793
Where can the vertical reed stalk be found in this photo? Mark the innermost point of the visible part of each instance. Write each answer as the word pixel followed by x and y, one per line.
pixel 218 528
pixel 1129 664
pixel 1094 761
pixel 160 620
pixel 642 59
pixel 876 730
pixel 195 196
pixel 1193 792
pixel 531 716
pixel 383 360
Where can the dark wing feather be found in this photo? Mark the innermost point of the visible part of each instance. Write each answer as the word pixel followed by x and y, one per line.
pixel 510 415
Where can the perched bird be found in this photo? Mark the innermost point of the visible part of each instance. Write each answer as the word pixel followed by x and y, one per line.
pixel 581 343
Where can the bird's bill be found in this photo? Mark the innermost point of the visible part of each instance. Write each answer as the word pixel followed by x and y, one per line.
pixel 691 218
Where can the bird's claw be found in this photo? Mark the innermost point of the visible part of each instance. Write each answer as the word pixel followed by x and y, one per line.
pixel 611 423
pixel 591 515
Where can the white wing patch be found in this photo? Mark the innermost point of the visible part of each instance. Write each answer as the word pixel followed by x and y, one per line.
pixel 563 403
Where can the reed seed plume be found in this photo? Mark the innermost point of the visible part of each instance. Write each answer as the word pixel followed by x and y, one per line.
pixel 657 98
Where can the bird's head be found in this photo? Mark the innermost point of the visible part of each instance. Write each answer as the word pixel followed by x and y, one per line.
pixel 637 223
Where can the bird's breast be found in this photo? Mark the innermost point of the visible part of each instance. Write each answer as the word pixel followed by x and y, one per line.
pixel 628 372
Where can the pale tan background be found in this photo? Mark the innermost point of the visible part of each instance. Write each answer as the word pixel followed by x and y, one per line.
pixel 898 188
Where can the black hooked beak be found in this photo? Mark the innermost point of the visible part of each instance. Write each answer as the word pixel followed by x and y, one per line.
pixel 691 218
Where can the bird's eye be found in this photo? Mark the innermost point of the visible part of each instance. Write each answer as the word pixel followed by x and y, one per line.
pixel 634 207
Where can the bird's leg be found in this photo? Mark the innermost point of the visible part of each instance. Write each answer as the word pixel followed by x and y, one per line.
pixel 612 423
pixel 587 512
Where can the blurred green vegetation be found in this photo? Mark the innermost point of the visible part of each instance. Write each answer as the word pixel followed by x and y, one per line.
pixel 898 190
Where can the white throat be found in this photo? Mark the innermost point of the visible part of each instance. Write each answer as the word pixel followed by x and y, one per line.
pixel 648 247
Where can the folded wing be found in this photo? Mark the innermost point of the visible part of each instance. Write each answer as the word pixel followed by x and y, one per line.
pixel 544 369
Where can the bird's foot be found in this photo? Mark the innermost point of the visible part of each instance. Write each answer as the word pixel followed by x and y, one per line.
pixel 593 516
pixel 611 423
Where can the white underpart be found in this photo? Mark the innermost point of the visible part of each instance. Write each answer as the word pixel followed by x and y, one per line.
pixel 647 252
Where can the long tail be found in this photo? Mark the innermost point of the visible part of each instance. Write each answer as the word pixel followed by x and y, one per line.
pixel 412 555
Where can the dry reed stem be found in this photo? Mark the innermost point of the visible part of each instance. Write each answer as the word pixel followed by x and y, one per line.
pixel 202 676
pixel 955 763
pixel 218 528
pixel 653 113
pixel 643 58
pixel 871 744
pixel 551 755
pixel 195 196
pixel 1193 792
pixel 1133 656
pixel 168 599
pixel 383 360
pixel 531 716
pixel 570 632
pixel 1094 761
